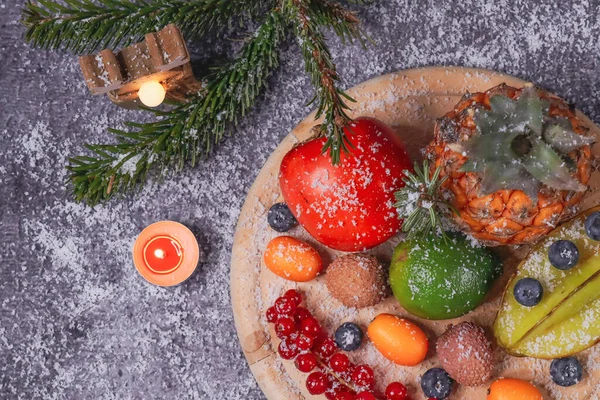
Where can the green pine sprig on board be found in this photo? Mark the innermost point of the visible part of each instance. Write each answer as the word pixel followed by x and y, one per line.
pixel 187 132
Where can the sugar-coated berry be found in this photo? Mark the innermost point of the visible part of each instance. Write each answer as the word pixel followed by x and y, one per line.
pixel 592 225
pixel 563 254
pixel 348 336
pixel 285 305
pixel 304 342
pixel 301 314
pixel 284 327
pixel 363 375
pixel 365 396
pixel 566 371
pixel 294 295
pixel 292 259
pixel 280 218
pixel 399 340
pixel 271 314
pixel 344 395
pixel 310 327
pixel 528 292
pixel 287 350
pixel 436 383
pixel 326 348
pixel 510 388
pixel 317 383
pixel 306 362
pixel 396 391
pixel 339 362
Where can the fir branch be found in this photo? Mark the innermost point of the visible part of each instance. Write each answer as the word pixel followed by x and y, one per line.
pixel 420 202
pixel 85 26
pixel 319 64
pixel 184 133
pixel 344 23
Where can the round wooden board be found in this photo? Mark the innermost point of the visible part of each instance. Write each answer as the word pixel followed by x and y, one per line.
pixel 409 101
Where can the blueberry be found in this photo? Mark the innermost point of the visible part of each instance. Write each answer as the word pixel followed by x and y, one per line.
pixel 563 254
pixel 348 336
pixel 566 371
pixel 592 226
pixel 528 292
pixel 436 383
pixel 280 217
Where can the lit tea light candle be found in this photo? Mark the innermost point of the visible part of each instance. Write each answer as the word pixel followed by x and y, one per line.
pixel 166 253
pixel 152 93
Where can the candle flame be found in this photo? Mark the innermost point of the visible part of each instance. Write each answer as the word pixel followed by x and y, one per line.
pixel 159 253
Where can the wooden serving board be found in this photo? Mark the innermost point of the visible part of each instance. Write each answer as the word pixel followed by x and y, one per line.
pixel 409 101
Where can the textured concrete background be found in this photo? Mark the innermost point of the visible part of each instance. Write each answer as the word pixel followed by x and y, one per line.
pixel 77 322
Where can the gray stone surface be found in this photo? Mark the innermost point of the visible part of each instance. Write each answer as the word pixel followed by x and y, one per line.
pixel 77 321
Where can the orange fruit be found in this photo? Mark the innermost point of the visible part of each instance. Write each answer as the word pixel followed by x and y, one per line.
pixel 513 389
pixel 398 339
pixel 292 259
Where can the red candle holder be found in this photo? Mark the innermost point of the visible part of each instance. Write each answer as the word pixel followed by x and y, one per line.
pixel 166 253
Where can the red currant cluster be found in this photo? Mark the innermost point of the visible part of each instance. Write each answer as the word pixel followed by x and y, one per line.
pixel 331 372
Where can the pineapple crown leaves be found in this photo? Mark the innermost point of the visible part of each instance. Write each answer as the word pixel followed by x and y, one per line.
pixel 518 145
pixel 419 202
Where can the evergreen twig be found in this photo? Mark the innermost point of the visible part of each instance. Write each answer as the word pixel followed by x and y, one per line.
pixel 331 101
pixel 184 133
pixel 344 23
pixel 421 204
pixel 85 26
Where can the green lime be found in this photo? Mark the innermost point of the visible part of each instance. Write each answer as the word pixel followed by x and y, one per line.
pixel 435 278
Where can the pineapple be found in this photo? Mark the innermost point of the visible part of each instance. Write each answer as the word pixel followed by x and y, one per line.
pixel 506 166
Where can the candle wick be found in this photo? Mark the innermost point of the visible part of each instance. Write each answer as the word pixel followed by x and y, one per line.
pixel 159 253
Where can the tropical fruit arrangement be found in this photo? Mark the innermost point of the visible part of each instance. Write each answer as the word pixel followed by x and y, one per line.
pixel 506 167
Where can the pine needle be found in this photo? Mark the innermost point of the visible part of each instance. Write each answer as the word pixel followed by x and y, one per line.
pixel 331 101
pixel 420 202
pixel 83 26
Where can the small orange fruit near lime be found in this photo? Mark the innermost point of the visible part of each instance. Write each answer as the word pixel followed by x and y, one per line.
pixel 292 259
pixel 398 339
pixel 513 389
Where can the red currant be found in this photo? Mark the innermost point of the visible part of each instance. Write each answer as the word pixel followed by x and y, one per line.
pixel 284 327
pixel 326 348
pixel 306 362
pixel 294 295
pixel 339 362
pixel 363 375
pixel 396 391
pixel 310 327
pixel 317 383
pixel 301 314
pixel 365 396
pixel 287 351
pixel 271 314
pixel 335 390
pixel 285 306
pixel 345 395
pixel 304 342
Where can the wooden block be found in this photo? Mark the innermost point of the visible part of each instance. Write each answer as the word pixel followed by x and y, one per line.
pixel 102 72
pixel 162 57
pixel 167 48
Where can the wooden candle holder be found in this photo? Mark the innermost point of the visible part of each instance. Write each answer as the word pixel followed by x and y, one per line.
pixel 163 56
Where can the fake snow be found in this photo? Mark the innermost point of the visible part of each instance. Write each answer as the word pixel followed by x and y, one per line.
pixel 78 322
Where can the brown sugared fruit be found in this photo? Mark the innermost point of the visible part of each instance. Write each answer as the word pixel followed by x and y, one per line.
pixel 357 280
pixel 466 354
